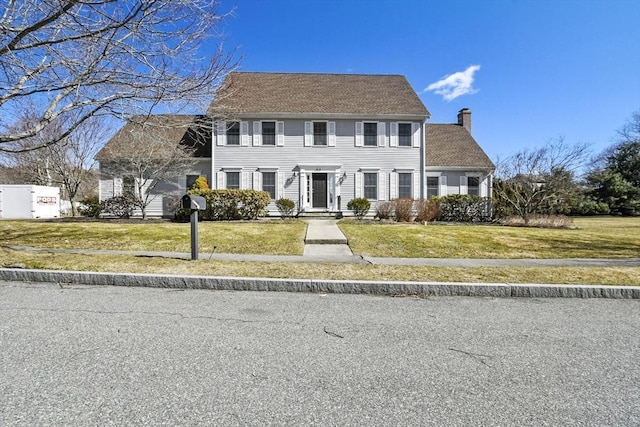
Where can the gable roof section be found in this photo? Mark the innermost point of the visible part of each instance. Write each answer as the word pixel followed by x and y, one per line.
pixel 451 145
pixel 191 131
pixel 306 94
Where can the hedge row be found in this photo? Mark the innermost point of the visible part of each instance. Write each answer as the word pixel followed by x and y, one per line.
pixel 223 205
pixel 453 208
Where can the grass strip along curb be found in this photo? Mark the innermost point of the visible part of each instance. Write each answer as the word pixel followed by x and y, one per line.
pixel 422 289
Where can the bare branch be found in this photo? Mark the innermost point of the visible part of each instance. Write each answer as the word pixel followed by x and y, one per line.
pixel 539 180
pixel 97 57
pixel 155 149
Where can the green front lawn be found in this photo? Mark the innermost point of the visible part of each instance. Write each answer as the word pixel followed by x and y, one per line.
pixel 592 238
pixel 260 237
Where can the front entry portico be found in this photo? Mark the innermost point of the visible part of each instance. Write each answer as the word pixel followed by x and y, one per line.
pixel 319 187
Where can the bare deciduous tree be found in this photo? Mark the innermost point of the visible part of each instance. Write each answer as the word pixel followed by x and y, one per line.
pixel 67 164
pixel 92 57
pixel 154 150
pixel 539 180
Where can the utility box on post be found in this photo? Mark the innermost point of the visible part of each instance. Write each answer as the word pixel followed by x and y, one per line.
pixel 194 204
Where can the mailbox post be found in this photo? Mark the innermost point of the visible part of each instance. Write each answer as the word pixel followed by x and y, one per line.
pixel 195 204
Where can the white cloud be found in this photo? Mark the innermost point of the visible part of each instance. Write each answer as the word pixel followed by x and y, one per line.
pixel 455 85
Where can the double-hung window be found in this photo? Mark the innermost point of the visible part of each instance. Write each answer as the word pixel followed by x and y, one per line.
pixel 268 133
pixel 432 186
pixel 233 134
pixel 404 134
pixel 473 186
pixel 233 180
pixel 404 185
pixel 128 186
pixel 191 179
pixel 370 134
pixel 319 133
pixel 371 185
pixel 269 183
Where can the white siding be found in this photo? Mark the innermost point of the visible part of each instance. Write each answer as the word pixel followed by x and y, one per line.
pixel 341 150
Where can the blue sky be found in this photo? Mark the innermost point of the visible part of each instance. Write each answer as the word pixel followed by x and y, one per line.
pixel 530 71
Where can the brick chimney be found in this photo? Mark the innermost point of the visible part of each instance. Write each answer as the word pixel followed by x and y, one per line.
pixel 464 119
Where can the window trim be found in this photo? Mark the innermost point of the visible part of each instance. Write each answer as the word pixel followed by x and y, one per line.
pixel 374 137
pixel 410 174
pixel 437 186
pixel 475 177
pixel 193 180
pixel 365 186
pixel 275 133
pixel 409 136
pixel 229 134
pixel 275 182
pixel 226 178
pixel 314 134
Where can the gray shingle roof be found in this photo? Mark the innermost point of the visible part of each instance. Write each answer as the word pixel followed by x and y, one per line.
pixel 191 131
pixel 301 93
pixel 450 145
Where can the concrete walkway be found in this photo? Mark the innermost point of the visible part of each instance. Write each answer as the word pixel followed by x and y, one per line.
pixel 325 241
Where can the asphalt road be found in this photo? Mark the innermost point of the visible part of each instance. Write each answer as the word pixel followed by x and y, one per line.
pixel 80 355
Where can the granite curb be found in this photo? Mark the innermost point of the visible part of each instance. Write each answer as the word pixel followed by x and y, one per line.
pixel 498 290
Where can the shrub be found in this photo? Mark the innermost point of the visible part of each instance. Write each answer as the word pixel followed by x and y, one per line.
pixel 360 206
pixel 119 206
pixel 384 210
pixel 285 207
pixel 538 220
pixel 427 210
pixel 200 184
pixel 403 209
pixel 587 206
pixel 464 208
pixel 225 205
pixel 90 206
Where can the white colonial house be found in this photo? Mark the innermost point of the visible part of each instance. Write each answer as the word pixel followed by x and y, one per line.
pixel 319 140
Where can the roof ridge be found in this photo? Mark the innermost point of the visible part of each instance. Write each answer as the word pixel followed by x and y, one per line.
pixel 311 73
